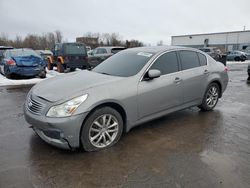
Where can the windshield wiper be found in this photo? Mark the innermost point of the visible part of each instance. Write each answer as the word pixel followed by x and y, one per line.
pixel 104 73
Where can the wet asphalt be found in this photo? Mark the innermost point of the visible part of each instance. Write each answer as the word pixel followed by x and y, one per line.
pixel 188 148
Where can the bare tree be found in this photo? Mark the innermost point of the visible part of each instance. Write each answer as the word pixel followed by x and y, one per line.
pixel 58 36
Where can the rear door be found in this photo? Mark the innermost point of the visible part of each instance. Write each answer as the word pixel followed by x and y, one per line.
pixel 194 75
pixel 164 92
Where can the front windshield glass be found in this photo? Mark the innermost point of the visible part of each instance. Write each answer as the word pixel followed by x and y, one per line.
pixel 125 63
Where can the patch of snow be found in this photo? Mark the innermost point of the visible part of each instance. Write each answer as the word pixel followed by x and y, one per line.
pixel 11 82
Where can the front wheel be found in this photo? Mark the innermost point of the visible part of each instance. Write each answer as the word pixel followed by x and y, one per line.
pixel 210 98
pixel 102 129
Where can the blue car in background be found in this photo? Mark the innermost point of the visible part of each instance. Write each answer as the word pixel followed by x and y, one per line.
pixel 22 62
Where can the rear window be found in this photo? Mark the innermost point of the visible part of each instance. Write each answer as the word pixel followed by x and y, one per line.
pixel 203 59
pixel 205 50
pixel 189 60
pixel 21 52
pixel 115 50
pixel 75 49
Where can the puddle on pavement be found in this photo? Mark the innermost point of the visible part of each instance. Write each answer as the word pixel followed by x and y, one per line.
pixel 225 166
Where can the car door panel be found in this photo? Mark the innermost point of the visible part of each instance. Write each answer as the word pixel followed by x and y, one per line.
pixel 159 94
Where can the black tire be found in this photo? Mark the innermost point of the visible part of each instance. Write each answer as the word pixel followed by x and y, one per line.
pixel 50 66
pixel 72 69
pixel 208 102
pixel 89 123
pixel 60 67
pixel 7 73
pixel 42 74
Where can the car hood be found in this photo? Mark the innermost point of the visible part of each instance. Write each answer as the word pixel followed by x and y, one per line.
pixel 27 60
pixel 70 85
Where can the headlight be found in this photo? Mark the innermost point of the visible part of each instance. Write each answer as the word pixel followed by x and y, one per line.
pixel 66 109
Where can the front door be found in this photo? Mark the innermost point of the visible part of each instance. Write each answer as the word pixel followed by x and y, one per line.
pixel 161 93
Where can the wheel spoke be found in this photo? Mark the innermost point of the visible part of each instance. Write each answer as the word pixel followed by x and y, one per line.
pixel 112 125
pixel 94 129
pixel 108 135
pixel 112 130
pixel 99 139
pixel 104 139
pixel 97 123
pixel 96 136
pixel 108 123
pixel 103 120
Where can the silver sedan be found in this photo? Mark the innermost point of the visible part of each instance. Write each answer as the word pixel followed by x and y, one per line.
pixel 93 108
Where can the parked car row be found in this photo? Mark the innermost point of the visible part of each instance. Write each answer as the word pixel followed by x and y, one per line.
pixel 234 55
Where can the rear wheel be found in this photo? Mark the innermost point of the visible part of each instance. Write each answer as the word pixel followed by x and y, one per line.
pixel 60 67
pixel 210 98
pixel 102 129
pixel 50 66
pixel 7 73
pixel 42 74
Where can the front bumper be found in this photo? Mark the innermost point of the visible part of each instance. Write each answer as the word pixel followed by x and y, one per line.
pixel 60 132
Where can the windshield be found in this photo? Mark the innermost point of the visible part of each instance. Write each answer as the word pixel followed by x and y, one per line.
pixel 21 52
pixel 76 49
pixel 125 63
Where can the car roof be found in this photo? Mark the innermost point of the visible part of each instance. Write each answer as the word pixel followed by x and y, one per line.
pixel 19 49
pixel 109 47
pixel 157 49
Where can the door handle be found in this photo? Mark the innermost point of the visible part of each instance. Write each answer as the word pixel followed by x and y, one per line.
pixel 206 71
pixel 177 80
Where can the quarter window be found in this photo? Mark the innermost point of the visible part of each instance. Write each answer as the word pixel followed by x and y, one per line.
pixel 189 60
pixel 166 63
pixel 203 59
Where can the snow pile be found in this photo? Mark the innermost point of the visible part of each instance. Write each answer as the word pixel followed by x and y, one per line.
pixel 11 82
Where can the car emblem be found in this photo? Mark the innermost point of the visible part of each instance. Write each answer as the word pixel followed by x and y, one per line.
pixel 30 104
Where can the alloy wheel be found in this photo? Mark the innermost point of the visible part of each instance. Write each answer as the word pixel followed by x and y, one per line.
pixel 103 131
pixel 212 96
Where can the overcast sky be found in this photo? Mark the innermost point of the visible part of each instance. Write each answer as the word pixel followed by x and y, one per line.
pixel 147 20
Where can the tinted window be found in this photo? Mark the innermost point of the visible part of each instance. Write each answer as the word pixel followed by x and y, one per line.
pixel 115 50
pixel 101 51
pixel 21 52
pixel 203 59
pixel 167 63
pixel 189 60
pixel 75 49
pixel 125 63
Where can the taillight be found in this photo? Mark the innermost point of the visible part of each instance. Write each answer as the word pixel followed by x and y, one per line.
pixel 226 69
pixel 11 62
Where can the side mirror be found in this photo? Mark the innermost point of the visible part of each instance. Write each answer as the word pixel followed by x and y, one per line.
pixel 154 73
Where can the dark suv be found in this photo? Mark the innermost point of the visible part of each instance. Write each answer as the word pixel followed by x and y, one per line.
pixel 68 55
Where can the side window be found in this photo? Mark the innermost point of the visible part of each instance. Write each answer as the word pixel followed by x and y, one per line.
pixel 166 63
pixel 203 59
pixel 189 60
pixel 101 51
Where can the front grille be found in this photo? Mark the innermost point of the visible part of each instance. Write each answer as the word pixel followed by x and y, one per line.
pixel 34 106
